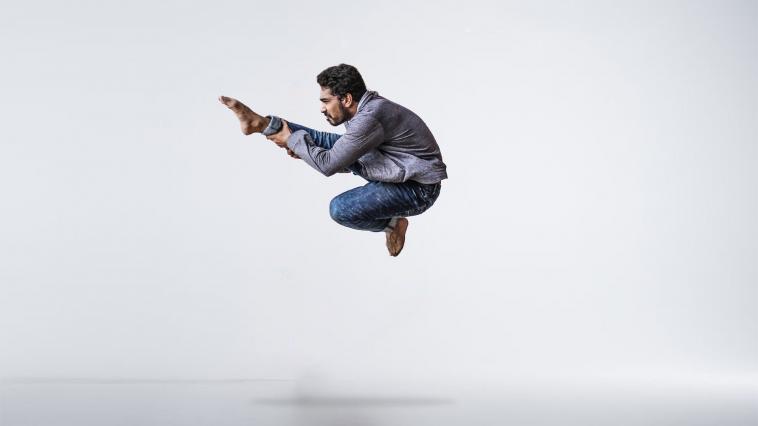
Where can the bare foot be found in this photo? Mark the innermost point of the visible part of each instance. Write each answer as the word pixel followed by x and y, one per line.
pixel 250 122
pixel 396 238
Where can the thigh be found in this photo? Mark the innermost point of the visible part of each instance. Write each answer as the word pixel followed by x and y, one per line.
pixel 383 200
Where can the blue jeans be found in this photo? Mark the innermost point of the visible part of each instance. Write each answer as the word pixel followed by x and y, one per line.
pixel 371 207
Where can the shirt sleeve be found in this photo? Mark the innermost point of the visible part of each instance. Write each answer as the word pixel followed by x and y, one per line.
pixel 362 136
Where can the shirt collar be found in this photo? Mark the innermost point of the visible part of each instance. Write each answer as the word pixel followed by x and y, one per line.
pixel 365 98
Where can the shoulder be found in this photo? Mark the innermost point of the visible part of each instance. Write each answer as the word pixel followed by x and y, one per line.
pixel 378 102
pixel 384 109
pixel 365 121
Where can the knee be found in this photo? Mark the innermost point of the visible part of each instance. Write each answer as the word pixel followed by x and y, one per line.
pixel 338 211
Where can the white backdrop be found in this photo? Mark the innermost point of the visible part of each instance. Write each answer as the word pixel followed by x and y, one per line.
pixel 599 217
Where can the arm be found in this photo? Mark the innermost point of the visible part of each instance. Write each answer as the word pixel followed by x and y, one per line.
pixel 323 139
pixel 275 124
pixel 361 137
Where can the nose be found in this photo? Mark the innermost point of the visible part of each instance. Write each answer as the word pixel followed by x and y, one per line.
pixel 323 109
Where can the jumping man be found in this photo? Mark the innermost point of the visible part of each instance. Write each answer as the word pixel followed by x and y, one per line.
pixel 385 143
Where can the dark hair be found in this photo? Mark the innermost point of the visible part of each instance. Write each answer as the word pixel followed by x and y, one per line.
pixel 343 79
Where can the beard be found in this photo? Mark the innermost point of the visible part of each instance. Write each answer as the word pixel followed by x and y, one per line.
pixel 337 120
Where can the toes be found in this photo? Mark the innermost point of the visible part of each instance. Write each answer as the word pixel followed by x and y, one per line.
pixel 230 102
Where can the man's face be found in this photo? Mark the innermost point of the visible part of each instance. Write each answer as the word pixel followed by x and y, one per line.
pixel 331 106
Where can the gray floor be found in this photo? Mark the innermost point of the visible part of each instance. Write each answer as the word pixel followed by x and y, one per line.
pixel 87 402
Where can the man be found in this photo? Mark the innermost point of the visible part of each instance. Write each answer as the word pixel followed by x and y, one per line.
pixel 385 143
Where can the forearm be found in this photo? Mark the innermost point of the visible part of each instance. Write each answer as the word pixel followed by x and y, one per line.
pixel 325 161
pixel 362 137
pixel 322 139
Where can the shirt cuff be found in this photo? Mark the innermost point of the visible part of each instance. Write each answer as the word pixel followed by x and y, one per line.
pixel 274 125
pixel 295 138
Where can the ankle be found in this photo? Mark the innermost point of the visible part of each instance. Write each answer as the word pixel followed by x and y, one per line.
pixel 258 123
pixel 391 225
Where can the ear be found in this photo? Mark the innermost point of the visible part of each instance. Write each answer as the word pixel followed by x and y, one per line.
pixel 347 100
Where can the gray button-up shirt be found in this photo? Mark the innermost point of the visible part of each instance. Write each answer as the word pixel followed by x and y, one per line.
pixel 388 143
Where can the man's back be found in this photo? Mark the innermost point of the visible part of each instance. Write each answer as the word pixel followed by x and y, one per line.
pixel 408 151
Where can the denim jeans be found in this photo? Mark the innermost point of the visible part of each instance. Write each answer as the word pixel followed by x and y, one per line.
pixel 371 207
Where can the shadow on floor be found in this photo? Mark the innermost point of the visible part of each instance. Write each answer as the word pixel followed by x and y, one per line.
pixel 355 401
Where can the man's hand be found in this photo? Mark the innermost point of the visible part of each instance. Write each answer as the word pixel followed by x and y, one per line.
pixel 281 137
pixel 292 154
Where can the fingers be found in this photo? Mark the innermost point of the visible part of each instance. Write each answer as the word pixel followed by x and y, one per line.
pixel 292 154
pixel 280 143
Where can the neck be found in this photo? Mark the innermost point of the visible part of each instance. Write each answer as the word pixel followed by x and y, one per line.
pixel 352 110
